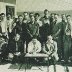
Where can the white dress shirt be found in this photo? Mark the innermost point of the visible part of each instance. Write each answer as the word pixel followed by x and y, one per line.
pixel 9 24
pixel 34 48
pixel 4 26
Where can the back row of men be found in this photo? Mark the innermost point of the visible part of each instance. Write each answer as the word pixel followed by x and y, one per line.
pixel 32 26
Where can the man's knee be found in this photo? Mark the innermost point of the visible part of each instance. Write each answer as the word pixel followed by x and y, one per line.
pixel 46 59
pixel 56 57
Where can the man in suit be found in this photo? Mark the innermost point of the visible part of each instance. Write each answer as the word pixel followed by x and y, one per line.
pixel 3 25
pixel 26 17
pixel 9 22
pixel 52 22
pixel 61 35
pixel 18 27
pixel 37 19
pixel 33 27
pixel 34 46
pixel 15 47
pixel 46 14
pixel 45 28
pixel 50 48
pixel 67 38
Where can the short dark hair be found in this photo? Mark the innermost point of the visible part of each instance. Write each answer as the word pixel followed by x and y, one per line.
pixel 31 14
pixel 25 12
pixel 46 10
pixel 36 14
pixel 63 14
pixel 68 16
pixel 3 14
pixel 56 14
pixel 52 14
pixel 20 16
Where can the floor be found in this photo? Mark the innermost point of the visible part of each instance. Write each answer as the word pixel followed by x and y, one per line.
pixel 19 67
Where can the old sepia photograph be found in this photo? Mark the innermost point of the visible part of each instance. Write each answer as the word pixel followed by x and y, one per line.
pixel 35 35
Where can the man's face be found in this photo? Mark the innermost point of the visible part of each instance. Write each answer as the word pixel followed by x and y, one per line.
pixel 25 15
pixel 34 41
pixel 49 38
pixel 32 18
pixel 20 19
pixel 63 17
pixel 17 37
pixel 36 17
pixel 2 17
pixel 68 19
pixel 56 17
pixel 52 16
pixel 9 17
pixel 46 13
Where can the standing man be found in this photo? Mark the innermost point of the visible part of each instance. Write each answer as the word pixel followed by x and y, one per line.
pixel 18 27
pixel 52 22
pixel 9 25
pixel 62 25
pixel 56 30
pixel 57 34
pixel 33 28
pixel 37 19
pixel 46 14
pixel 3 25
pixel 67 38
pixel 45 29
pixel 26 17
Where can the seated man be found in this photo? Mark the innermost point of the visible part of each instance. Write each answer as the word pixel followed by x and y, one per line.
pixel 34 46
pixel 50 48
pixel 3 47
pixel 15 47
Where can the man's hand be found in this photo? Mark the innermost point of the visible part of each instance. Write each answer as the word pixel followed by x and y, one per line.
pixel 18 53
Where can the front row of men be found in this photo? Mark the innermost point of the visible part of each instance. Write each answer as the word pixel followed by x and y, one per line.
pixel 16 48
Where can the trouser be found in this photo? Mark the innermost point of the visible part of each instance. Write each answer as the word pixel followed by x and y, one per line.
pixel 55 56
pixel 67 47
pixel 4 51
pixel 60 48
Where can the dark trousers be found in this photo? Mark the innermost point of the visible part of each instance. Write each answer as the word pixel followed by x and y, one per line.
pixel 67 47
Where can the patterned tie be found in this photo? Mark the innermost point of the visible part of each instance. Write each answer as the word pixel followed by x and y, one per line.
pixel 68 28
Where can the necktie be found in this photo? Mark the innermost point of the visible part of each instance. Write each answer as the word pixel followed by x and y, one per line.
pixel 16 46
pixel 34 48
pixel 68 28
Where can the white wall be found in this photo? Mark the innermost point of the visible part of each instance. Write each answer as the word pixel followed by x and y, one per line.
pixel 40 5
pixel 3 7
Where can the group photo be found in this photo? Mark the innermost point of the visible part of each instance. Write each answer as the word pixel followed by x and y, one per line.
pixel 33 38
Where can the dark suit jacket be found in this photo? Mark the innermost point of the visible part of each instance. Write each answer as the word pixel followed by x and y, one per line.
pixel 33 29
pixel 17 29
pixel 12 46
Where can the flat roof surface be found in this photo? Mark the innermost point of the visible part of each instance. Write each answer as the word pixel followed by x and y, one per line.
pixel 9 1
